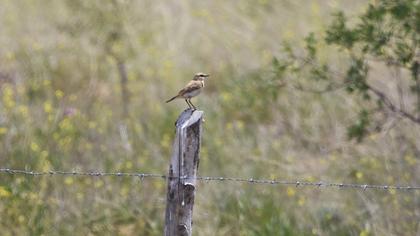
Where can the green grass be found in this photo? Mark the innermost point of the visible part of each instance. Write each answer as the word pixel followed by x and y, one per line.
pixel 61 108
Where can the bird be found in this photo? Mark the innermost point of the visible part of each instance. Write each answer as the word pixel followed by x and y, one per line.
pixel 192 89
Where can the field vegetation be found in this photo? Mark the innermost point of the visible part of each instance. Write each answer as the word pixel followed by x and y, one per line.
pixel 293 95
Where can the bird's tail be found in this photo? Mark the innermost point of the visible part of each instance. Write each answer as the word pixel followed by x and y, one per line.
pixel 172 99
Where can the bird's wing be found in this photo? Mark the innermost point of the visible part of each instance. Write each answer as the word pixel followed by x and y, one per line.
pixel 191 86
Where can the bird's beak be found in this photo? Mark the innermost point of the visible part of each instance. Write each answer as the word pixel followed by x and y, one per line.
pixel 206 75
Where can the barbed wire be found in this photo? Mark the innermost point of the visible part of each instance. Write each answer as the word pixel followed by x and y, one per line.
pixel 320 184
pixel 77 173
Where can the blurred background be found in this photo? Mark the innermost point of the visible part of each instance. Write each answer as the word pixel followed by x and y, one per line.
pixel 83 85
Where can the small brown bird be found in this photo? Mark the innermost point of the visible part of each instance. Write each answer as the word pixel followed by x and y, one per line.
pixel 192 89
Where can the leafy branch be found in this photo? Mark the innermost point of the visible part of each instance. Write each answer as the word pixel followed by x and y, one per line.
pixel 387 32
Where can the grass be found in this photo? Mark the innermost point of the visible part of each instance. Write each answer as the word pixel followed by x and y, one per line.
pixel 61 108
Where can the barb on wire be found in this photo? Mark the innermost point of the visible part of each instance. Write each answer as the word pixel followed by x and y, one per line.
pixel 210 179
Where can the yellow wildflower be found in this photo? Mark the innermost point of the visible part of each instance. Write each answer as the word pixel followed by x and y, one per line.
pixel 290 191
pixel 3 130
pixel 4 192
pixel 59 94
pixel 48 107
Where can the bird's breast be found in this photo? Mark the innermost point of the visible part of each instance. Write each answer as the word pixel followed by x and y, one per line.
pixel 192 93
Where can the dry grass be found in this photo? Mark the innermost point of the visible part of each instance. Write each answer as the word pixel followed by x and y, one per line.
pixel 61 109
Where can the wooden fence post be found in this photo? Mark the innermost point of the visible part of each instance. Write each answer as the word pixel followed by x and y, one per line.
pixel 182 174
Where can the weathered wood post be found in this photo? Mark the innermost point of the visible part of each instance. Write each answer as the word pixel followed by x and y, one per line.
pixel 182 174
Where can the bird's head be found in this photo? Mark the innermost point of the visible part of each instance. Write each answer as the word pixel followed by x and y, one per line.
pixel 200 76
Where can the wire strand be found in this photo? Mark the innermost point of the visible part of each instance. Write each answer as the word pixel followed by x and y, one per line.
pixel 142 176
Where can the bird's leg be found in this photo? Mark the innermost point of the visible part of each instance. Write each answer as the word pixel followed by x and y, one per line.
pixel 192 104
pixel 186 100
